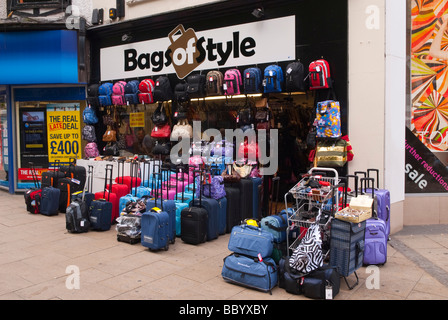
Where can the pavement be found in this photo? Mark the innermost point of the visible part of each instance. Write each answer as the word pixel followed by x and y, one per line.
pixel 40 260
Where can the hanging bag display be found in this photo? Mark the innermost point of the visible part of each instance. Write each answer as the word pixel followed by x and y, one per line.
pixel 331 153
pixel 273 79
pixel 319 75
pixel 161 131
pixel 214 82
pixel 89 116
pixel 159 116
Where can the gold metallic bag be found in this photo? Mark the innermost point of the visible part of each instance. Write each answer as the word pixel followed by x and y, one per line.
pixel 331 153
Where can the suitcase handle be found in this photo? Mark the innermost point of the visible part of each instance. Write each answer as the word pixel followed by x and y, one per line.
pixel 377 171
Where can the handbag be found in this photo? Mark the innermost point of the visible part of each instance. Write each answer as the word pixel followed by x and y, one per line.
pixel 331 153
pixel 129 136
pixel 159 116
pixel 230 176
pixel 111 149
pixel 162 148
pixel 109 135
pixel 108 118
pixel 182 129
pixel 161 131
pixel 243 169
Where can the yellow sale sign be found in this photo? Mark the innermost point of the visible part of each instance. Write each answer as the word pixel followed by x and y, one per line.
pixel 137 119
pixel 64 135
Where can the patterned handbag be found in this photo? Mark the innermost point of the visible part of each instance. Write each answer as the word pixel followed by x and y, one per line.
pixel 308 255
pixel 328 119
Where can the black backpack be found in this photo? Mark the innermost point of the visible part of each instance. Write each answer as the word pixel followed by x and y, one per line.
pixel 181 92
pixel 294 76
pixel 162 89
pixel 196 85
pixel 92 95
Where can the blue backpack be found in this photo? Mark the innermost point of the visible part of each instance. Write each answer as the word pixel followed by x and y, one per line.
pixel 89 116
pixel 131 92
pixel 105 93
pixel 252 80
pixel 273 79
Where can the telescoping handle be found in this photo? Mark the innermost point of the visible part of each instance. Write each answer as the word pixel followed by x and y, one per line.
pixel 109 172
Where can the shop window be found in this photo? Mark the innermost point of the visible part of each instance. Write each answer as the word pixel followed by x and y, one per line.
pixel 33 4
pixel 4 172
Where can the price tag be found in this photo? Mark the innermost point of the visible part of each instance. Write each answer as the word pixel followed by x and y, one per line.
pixel 328 292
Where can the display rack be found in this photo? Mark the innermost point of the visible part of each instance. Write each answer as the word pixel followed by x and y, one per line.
pixel 315 199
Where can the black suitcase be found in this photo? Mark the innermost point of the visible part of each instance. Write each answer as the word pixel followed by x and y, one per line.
pixel 87 194
pixel 77 173
pixel 194 222
pixel 233 207
pixel 67 187
pixel 246 193
pixel 50 178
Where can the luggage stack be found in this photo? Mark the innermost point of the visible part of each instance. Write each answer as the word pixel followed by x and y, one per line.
pixel 250 263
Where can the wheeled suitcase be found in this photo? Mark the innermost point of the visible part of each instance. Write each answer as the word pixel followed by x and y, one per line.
pixel 77 217
pixel 194 222
pixel 118 188
pixel 155 229
pixel 87 195
pixel 212 207
pixel 100 215
pixel 77 173
pixel 67 187
pixel 375 246
pixel 382 197
pixel 110 196
pixel 233 214
pixel 251 241
pixel 133 180
pixel 33 196
pixel 49 205
pixel 250 272
pixel 51 177
pixel 246 187
pixel 347 247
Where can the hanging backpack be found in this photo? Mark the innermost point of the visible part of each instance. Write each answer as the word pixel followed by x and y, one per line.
pixel 146 88
pixel 232 82
pixel 131 92
pixel 89 116
pixel 88 133
pixel 91 150
pixel 181 92
pixel 319 74
pixel 92 95
pixel 214 81
pixel 105 93
pixel 118 93
pixel 162 89
pixel 196 85
pixel 294 76
pixel 252 80
pixel 273 79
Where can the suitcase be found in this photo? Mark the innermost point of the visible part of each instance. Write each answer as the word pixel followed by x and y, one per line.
pixel 375 245
pixel 181 202
pixel 133 180
pixel 277 225
pixel 110 196
pixel 155 229
pixel 194 222
pixel 67 187
pixel 250 272
pixel 77 173
pixel 167 205
pixel 129 228
pixel 33 196
pixel 347 247
pixel 246 190
pixel 251 241
pixel 233 214
pixel 382 197
pixel 100 215
pixel 211 205
pixel 77 216
pixel 51 177
pixel 49 205
pixel 87 195
pixel 256 183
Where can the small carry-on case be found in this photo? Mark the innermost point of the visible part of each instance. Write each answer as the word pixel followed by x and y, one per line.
pixel 194 222
pixel 259 274
pixel 347 247
pixel 155 229
pixel 375 246
pixel 49 205
pixel 101 209
pixel 251 241
pixel 382 197
pixel 87 195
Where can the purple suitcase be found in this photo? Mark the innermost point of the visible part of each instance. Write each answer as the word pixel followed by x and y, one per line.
pixel 375 242
pixel 382 201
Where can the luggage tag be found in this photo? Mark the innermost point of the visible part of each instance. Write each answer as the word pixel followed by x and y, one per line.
pixel 328 291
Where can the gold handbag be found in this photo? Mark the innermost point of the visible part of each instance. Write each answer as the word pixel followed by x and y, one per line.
pixel 331 153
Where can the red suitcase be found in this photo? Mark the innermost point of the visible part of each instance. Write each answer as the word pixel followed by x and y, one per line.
pixel 118 188
pixel 132 181
pixel 109 196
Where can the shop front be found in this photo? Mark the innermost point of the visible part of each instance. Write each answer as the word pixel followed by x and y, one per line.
pixel 41 103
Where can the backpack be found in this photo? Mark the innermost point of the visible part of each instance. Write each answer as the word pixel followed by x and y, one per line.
pixel 146 88
pixel 196 85
pixel 245 116
pixel 89 116
pixel 214 81
pixel 252 80
pixel 162 89
pixel 92 95
pixel 319 74
pixel 104 94
pixel 294 76
pixel 118 93
pixel 232 82
pixel 131 92
pixel 91 150
pixel 76 217
pixel 273 79
pixel 181 92
pixel 88 133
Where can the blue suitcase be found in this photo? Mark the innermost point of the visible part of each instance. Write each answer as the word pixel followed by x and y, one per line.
pixel 100 215
pixel 49 204
pixel 155 229
pixel 277 225
pixel 257 182
pixel 251 241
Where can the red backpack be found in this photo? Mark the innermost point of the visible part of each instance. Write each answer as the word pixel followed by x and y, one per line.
pixel 146 88
pixel 319 74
